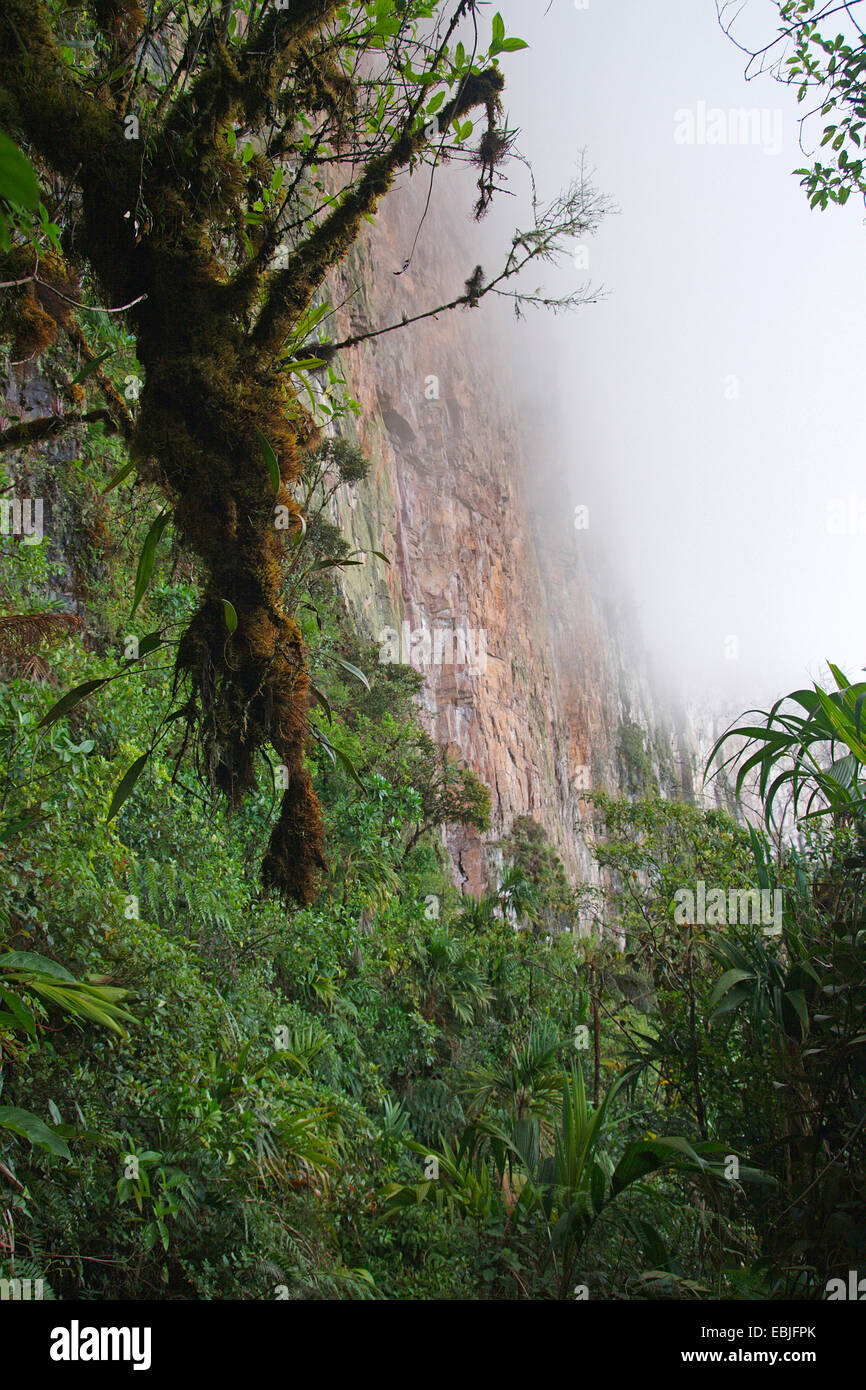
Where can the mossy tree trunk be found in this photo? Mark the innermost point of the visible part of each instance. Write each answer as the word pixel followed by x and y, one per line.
pixel 209 339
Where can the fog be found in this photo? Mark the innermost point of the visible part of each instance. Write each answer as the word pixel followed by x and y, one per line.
pixel 709 409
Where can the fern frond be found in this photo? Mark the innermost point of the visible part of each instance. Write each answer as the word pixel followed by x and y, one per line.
pixel 23 635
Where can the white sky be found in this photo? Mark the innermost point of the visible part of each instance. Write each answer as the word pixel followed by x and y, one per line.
pixel 714 510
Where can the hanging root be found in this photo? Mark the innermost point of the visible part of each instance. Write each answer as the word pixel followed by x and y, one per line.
pixel 297 846
pixel 251 687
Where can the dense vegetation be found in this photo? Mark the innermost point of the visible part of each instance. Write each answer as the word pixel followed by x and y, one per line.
pixel 334 1076
pixel 395 1091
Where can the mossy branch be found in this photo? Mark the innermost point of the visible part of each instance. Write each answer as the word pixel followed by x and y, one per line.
pixel 291 290
pixel 74 133
pixel 46 426
pixel 246 83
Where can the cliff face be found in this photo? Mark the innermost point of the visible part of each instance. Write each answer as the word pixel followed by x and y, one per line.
pixel 533 678
pixel 491 591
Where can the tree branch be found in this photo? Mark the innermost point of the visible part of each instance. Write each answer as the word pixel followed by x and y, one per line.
pixel 46 426
pixel 292 289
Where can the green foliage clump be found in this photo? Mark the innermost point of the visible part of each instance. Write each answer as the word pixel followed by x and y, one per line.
pixel 362 1085
pixel 638 773
pixel 395 1092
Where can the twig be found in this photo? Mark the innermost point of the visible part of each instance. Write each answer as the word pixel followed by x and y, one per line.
pixel 11 1176
pixel 93 308
pixel 10 284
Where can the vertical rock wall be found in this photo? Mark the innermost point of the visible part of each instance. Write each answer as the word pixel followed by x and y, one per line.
pixel 481 536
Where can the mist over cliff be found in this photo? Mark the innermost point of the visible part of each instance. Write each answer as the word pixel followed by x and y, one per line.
pixel 537 674
pixel 706 403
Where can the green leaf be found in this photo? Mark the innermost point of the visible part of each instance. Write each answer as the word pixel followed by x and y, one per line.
pixel 797 999
pixel 305 364
pixel 29 960
pixel 231 615
pixel 90 367
pixel 727 982
pixel 30 1127
pixel 148 557
pixel 336 753
pixel 512 45
pixel 332 564
pixel 498 31
pixel 645 1156
pixel 26 821
pixel 126 784
pixel 70 700
pixel 349 766
pixel 320 699
pixel 312 609
pixel 353 670
pixel 735 996
pixel 270 460
pixel 149 644
pixel 324 742
pixel 18 181
pixel 119 476
pixel 78 1000
pixel 19 1016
